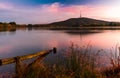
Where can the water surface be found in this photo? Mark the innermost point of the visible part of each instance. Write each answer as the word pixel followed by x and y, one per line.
pixel 23 42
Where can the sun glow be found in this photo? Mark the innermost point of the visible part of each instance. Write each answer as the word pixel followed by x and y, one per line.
pixel 113 10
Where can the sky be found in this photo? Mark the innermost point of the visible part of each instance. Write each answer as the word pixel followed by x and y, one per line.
pixel 48 11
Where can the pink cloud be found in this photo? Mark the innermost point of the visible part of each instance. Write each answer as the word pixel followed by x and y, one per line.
pixel 56 12
pixel 6 6
pixel 54 7
pixel 86 10
pixel 74 11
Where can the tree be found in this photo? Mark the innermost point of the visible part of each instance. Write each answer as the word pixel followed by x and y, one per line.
pixel 12 23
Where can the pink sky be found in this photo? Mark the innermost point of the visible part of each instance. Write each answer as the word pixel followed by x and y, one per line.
pixel 48 13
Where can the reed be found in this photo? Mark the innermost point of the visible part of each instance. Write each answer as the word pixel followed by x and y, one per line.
pixel 113 70
pixel 76 62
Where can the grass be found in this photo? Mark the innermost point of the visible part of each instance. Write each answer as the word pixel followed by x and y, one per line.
pixel 77 62
pixel 113 71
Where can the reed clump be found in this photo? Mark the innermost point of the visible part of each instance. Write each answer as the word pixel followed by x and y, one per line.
pixel 113 70
pixel 76 62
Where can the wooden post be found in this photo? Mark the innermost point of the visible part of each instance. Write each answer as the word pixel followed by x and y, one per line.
pixel 0 62
pixel 54 50
pixel 40 58
pixel 17 60
pixel 18 66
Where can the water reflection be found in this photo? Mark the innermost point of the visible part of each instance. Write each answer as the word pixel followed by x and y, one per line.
pixel 22 41
pixel 83 32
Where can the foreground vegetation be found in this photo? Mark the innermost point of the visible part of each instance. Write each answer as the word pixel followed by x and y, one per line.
pixel 76 62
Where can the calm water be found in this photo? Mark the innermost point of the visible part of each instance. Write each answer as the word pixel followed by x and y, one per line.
pixel 22 42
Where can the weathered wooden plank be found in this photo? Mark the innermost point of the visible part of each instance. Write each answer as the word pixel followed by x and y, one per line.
pixel 7 61
pixel 25 57
pixel 35 55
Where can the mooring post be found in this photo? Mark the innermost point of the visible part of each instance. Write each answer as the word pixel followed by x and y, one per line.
pixel 17 60
pixel 0 62
pixel 54 50
pixel 18 66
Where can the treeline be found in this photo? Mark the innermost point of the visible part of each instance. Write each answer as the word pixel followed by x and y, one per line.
pixel 11 26
pixel 106 24
pixel 73 25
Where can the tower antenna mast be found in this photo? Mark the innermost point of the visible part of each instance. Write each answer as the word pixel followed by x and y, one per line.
pixel 80 15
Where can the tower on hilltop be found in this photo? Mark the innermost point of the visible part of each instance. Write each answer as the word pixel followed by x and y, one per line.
pixel 80 15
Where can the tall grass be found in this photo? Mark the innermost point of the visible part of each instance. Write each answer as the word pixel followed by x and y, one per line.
pixel 113 70
pixel 82 61
pixel 77 62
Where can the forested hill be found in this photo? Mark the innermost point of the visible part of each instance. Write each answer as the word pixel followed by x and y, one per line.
pixel 84 22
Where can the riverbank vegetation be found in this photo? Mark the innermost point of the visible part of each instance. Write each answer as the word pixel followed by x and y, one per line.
pixel 77 62
pixel 11 26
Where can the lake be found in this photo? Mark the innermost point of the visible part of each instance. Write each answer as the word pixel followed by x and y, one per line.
pixel 24 41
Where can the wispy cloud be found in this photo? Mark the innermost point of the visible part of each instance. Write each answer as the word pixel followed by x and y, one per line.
pixel 6 6
pixel 47 13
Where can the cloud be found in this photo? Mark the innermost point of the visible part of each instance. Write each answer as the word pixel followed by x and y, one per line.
pixel 41 14
pixel 6 6
pixel 47 13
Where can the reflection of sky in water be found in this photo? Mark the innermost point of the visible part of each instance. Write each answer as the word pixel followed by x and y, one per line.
pixel 26 42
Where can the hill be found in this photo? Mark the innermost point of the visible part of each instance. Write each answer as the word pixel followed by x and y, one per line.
pixel 84 22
